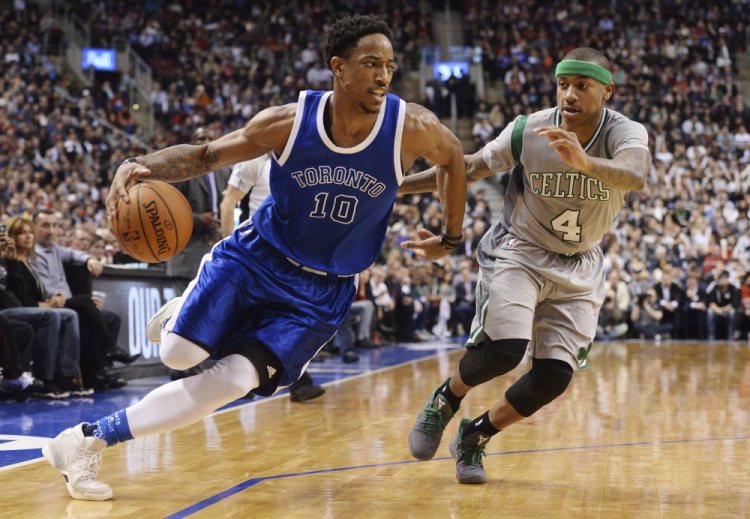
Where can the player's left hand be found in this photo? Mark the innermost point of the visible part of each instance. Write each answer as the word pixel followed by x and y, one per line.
pixel 426 244
pixel 566 146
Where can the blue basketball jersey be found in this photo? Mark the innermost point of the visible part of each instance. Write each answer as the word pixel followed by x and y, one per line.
pixel 329 207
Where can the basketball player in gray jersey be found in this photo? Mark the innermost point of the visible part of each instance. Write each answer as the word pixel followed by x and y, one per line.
pixel 541 269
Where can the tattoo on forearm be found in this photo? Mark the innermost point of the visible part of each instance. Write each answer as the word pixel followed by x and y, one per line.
pixel 627 174
pixel 181 162
pixel 428 181
pixel 476 168
pixel 473 174
pixel 423 182
pixel 617 176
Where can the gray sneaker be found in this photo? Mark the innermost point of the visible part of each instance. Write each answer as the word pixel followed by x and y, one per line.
pixel 424 437
pixel 468 454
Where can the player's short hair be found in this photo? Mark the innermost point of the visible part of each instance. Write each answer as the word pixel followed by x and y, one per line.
pixel 590 55
pixel 346 32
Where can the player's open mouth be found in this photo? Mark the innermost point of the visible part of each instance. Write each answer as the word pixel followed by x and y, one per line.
pixel 571 110
pixel 378 94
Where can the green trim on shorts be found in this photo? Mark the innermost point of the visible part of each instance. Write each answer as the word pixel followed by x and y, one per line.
pixel 478 335
pixel 516 138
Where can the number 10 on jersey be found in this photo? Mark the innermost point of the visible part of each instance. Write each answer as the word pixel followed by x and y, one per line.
pixel 341 209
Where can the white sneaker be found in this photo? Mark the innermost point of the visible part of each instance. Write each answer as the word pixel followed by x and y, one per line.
pixel 77 458
pixel 154 326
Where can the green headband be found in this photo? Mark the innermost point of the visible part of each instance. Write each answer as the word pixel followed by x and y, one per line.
pixel 573 67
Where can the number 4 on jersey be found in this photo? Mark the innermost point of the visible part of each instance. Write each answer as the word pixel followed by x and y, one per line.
pixel 567 223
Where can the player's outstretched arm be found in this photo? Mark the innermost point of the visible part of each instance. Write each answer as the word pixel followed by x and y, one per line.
pixel 267 131
pixel 425 136
pixel 426 181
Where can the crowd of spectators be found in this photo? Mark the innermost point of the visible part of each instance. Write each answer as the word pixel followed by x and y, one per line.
pixel 677 258
pixel 674 63
pixel 676 71
pixel 218 62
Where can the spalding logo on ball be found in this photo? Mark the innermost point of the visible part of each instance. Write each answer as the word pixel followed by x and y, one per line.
pixel 156 224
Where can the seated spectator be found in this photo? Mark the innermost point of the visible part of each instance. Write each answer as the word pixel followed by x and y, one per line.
pixel 743 321
pixel 465 306
pixel 693 311
pixel 16 338
pixel 48 264
pixel 621 294
pixel 646 316
pixel 447 298
pixel 383 301
pixel 80 281
pixel 56 349
pixel 670 296
pixel 723 303
pixel 611 324
pixel 98 249
pixel 342 342
pixel 363 310
pixel 407 305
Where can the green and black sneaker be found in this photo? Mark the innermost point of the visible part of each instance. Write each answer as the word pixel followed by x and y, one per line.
pixel 425 436
pixel 468 454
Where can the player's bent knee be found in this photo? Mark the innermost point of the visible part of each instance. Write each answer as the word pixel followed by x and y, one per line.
pixel 546 380
pixel 236 374
pixel 490 359
pixel 179 353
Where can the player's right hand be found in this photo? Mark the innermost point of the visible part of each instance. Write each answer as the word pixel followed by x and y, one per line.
pixel 127 174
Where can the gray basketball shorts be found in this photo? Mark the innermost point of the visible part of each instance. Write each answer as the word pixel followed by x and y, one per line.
pixel 526 292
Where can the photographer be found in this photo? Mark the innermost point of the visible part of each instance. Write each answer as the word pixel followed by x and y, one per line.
pixel 646 316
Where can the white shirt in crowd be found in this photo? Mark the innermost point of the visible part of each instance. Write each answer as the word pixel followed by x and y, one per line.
pixel 252 176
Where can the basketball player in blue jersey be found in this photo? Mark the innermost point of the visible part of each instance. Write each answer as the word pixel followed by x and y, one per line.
pixel 268 297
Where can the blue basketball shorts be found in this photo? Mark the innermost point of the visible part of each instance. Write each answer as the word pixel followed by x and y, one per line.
pixel 247 292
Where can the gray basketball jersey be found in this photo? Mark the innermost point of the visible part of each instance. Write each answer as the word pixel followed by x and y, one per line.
pixel 552 205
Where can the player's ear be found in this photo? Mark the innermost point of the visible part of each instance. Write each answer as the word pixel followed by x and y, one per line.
pixel 608 91
pixel 336 66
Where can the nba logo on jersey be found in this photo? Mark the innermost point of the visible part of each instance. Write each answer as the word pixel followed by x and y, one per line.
pixel 510 243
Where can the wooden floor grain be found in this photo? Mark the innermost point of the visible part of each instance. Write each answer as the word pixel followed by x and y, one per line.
pixel 646 431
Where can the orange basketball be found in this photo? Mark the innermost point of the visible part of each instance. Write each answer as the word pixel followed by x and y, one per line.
pixel 156 224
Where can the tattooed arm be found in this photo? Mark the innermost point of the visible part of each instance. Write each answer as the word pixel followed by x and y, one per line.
pixel 268 130
pixel 626 170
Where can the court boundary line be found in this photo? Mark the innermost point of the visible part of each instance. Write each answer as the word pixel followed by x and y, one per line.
pixel 236 489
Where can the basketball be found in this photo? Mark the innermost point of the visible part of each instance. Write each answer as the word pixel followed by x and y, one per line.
pixel 156 224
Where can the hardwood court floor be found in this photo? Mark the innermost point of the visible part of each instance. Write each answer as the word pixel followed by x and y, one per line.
pixel 646 431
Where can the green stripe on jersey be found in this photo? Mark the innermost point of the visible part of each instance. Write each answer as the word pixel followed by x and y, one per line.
pixel 516 138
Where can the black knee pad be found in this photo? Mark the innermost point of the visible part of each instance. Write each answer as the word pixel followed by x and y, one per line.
pixel 490 359
pixel 546 380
